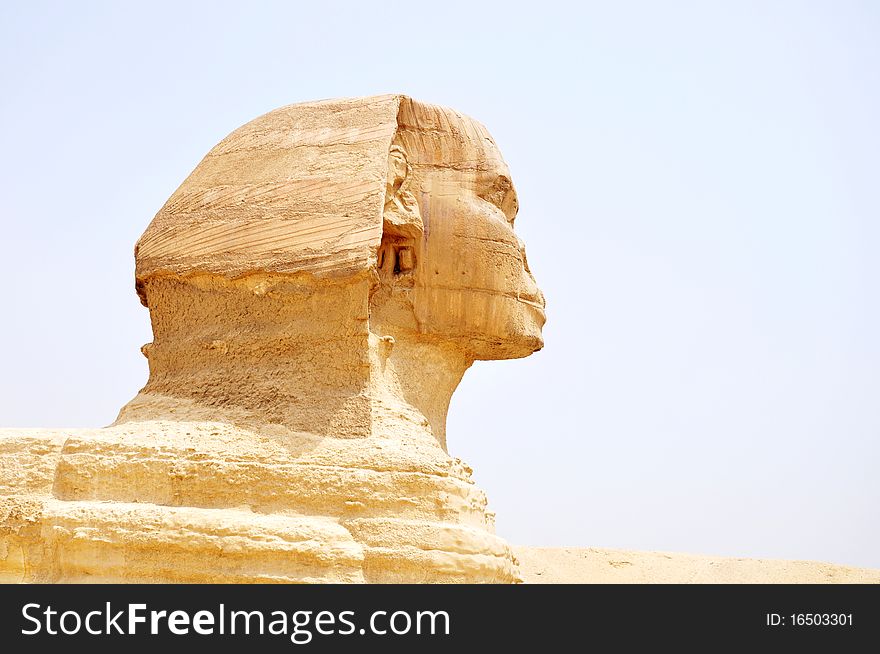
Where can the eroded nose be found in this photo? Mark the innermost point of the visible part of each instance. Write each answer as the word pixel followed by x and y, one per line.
pixel 522 253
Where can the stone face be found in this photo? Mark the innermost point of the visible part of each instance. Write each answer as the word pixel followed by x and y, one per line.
pixel 317 288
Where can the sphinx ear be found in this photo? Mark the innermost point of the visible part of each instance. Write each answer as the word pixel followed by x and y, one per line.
pixel 402 226
pixel 398 170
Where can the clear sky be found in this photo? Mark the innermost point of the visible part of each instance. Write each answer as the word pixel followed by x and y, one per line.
pixel 700 197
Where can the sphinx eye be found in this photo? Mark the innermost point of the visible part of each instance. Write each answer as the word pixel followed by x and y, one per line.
pixel 503 196
pixel 502 187
pixel 498 193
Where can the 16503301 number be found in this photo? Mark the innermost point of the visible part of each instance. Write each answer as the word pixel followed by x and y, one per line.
pixel 821 619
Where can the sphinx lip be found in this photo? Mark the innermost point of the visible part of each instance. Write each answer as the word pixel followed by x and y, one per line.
pixel 530 298
pixel 531 301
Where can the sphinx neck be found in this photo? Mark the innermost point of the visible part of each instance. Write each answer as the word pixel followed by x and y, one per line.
pixel 413 379
pixel 282 354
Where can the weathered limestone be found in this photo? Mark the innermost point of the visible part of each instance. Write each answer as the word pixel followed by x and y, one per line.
pixel 317 288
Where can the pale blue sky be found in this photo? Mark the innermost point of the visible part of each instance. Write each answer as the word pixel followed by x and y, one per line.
pixel 700 197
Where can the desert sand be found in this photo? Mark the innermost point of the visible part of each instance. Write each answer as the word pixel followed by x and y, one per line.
pixel 594 565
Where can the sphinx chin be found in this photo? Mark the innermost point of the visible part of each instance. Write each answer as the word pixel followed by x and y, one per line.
pixel 516 346
pixel 526 345
pixel 525 341
pixel 536 343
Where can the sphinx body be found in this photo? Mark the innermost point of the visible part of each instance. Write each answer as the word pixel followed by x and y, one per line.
pixel 317 288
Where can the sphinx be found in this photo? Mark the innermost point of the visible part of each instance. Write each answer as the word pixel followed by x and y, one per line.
pixel 317 287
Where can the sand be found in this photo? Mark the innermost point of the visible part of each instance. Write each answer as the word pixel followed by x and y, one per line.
pixel 593 565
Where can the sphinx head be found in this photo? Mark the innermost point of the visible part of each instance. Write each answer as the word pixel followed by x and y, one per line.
pixel 416 196
pixel 334 222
